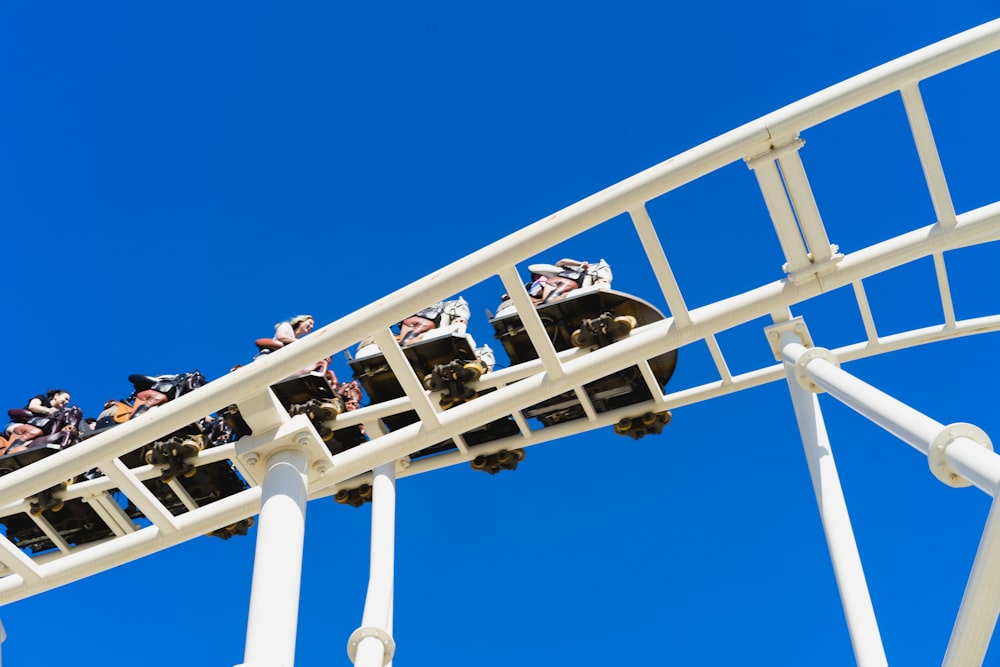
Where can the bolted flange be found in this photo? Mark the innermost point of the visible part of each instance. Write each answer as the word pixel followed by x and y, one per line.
pixel 378 633
pixel 802 377
pixel 936 454
pixel 795 326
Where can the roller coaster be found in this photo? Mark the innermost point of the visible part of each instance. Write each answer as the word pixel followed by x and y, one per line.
pixel 266 438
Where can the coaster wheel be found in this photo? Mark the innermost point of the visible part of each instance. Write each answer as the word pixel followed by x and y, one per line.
pixel 582 338
pixel 474 371
pixel 623 426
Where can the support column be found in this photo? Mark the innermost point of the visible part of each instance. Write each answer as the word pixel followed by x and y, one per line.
pixel 861 623
pixel 372 645
pixel 959 455
pixel 274 593
pixel 980 608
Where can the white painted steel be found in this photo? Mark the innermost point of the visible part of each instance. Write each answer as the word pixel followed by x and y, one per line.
pixel 942 278
pixel 858 609
pixel 403 372
pixel 769 144
pixel 977 616
pixel 372 645
pixel 909 425
pixel 793 172
pixel 59 569
pixel 661 266
pixel 240 386
pixel 963 456
pixel 782 215
pixel 274 593
pixel 929 158
pixel 532 324
pixel 973 462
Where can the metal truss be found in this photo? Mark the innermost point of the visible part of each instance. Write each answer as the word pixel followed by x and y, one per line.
pixel 285 463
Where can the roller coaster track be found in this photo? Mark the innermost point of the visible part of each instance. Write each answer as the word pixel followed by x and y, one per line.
pixel 285 456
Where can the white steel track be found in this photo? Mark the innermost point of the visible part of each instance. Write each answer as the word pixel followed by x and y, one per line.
pixel 813 266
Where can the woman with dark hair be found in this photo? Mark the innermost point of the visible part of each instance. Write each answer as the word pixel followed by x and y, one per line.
pixel 41 408
pixel 49 403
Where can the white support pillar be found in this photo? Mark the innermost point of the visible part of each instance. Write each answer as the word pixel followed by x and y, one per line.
pixel 277 572
pixel 977 615
pixel 958 454
pixel 847 568
pixel 372 645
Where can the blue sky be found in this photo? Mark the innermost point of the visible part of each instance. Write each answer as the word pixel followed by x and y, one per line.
pixel 179 177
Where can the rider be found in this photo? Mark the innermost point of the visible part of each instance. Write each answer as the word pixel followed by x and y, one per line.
pixel 297 327
pixel 41 407
pixel 288 332
pixel 551 282
pixel 285 333
pixel 444 317
pixel 453 314
pixel 49 403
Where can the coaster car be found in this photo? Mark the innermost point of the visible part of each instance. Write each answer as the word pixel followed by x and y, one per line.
pixel 314 395
pixel 447 361
pixel 36 437
pixel 578 309
pixel 181 485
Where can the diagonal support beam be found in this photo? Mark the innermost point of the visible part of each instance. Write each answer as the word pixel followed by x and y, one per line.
pixel 532 322
pixel 930 160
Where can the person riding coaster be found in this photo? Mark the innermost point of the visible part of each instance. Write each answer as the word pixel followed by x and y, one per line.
pixel 441 320
pixel 572 278
pixel 32 436
pixel 444 318
pixel 60 429
pixel 314 391
pixel 551 282
pixel 286 333
pixel 578 308
pixel 151 391
pixel 446 358
pixel 148 392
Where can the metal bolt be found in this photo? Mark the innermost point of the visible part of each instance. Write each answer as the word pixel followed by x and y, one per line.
pixel 302 439
pixel 320 468
pixel 252 460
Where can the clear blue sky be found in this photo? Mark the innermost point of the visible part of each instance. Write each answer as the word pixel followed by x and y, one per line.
pixel 177 177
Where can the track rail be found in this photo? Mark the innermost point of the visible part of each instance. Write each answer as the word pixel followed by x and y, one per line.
pixel 813 266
